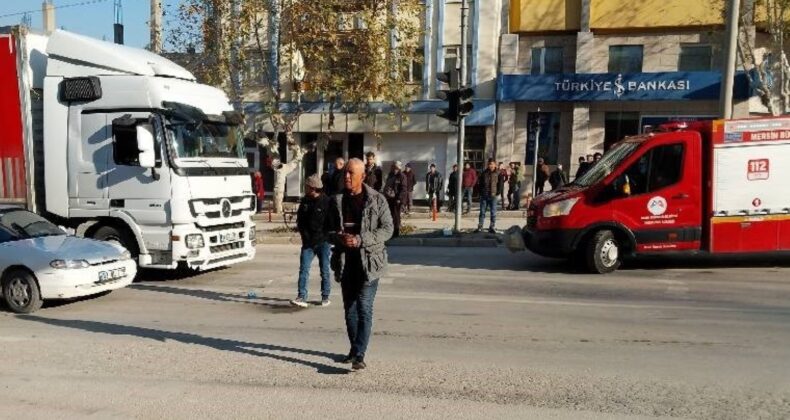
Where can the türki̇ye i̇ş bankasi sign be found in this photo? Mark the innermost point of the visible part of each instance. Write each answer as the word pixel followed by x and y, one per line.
pixel 581 87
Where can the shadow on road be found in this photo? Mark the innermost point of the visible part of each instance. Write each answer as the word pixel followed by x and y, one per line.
pixel 276 305
pixel 253 349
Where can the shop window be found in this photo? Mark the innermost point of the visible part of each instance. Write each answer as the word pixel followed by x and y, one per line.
pixel 695 58
pixel 625 58
pixel 475 147
pixel 618 125
pixel 544 126
pixel 547 60
pixel 656 169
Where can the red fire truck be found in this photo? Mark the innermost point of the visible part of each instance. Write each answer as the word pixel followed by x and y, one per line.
pixel 716 186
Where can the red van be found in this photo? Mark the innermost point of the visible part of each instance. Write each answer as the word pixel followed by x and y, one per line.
pixel 717 186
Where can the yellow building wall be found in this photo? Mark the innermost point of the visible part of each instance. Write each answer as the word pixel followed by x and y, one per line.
pixel 630 14
pixel 544 15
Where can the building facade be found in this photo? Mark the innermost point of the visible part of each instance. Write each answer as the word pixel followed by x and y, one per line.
pixel 419 137
pixel 579 75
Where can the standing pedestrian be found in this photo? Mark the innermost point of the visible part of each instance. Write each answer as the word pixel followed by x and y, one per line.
pixel 583 167
pixel 312 222
pixel 362 224
pixel 395 192
pixel 469 181
pixel 503 176
pixel 452 188
pixel 558 178
pixel 374 177
pixel 516 180
pixel 434 185
pixel 541 176
pixel 597 157
pixel 489 180
pixel 411 182
pixel 333 180
pixel 260 192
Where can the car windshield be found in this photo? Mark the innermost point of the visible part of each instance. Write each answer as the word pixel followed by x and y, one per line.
pixel 206 140
pixel 606 165
pixel 25 224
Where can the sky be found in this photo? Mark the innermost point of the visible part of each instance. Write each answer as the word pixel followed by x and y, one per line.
pixel 94 19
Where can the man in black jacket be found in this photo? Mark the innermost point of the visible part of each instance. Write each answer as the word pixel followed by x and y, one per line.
pixel 333 181
pixel 312 221
pixel 434 185
pixel 395 193
pixel 374 177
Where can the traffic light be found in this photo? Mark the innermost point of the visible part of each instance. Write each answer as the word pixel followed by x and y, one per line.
pixel 449 95
pixel 465 105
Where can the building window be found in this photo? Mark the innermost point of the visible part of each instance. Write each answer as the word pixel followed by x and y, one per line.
pixel 625 58
pixel 544 126
pixel 413 74
pixel 618 125
pixel 475 147
pixel 451 56
pixel 695 58
pixel 547 60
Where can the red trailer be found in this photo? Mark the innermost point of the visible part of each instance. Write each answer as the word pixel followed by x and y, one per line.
pixel 12 147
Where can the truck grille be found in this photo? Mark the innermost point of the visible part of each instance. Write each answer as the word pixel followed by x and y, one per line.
pixel 218 208
pixel 226 247
pixel 228 226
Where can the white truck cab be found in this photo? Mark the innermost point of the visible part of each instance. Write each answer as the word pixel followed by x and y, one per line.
pixel 134 150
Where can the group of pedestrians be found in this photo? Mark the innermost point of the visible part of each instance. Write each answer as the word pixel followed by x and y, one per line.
pixel 347 231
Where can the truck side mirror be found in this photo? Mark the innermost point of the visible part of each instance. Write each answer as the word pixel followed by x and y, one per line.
pixel 146 146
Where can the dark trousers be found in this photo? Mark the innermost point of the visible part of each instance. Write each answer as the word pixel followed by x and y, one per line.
pixel 395 210
pixel 468 198
pixel 409 201
pixel 358 296
pixel 433 195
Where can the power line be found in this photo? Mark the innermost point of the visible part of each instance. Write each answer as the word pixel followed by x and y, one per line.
pixel 82 3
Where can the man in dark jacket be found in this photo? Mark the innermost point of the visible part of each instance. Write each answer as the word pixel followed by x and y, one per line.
pixel 452 188
pixel 374 177
pixel 469 182
pixel 503 177
pixel 361 224
pixel 434 185
pixel 489 181
pixel 411 182
pixel 558 178
pixel 542 175
pixel 333 181
pixel 395 192
pixel 312 221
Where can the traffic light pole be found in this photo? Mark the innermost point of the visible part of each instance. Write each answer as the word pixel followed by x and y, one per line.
pixel 461 126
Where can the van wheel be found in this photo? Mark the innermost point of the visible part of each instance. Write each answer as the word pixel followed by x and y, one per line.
pixel 603 253
pixel 21 292
pixel 117 236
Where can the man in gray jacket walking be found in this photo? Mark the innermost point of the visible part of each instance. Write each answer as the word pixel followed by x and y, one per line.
pixel 361 223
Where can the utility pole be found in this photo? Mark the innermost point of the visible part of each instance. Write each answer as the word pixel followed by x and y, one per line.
pixel 156 26
pixel 728 75
pixel 118 22
pixel 535 155
pixel 461 124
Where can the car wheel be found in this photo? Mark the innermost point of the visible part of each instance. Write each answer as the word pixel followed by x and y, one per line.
pixel 21 292
pixel 603 253
pixel 117 236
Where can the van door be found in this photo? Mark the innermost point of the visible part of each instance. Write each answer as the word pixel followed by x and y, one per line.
pixel 661 199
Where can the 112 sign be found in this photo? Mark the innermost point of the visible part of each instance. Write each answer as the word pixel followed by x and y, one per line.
pixel 759 169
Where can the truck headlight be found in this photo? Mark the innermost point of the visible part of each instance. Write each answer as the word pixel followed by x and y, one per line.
pixel 252 233
pixel 194 241
pixel 126 256
pixel 560 208
pixel 69 264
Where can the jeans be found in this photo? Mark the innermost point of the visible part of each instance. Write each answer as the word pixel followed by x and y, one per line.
pixel 489 203
pixel 323 252
pixel 358 297
pixel 468 198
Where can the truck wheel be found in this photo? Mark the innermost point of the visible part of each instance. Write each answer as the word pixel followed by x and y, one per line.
pixel 118 236
pixel 603 253
pixel 21 292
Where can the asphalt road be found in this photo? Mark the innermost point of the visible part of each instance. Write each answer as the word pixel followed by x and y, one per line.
pixel 460 333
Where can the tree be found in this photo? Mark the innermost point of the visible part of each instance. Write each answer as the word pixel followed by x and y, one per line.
pixel 353 55
pixel 761 50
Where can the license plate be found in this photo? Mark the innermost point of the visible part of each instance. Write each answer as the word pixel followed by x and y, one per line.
pixel 110 275
pixel 228 237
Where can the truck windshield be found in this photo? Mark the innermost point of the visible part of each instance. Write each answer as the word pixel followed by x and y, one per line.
pixel 206 140
pixel 606 165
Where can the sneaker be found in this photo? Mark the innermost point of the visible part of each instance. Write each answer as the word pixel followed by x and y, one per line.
pixel 358 364
pixel 492 230
pixel 349 359
pixel 479 230
pixel 325 302
pixel 300 302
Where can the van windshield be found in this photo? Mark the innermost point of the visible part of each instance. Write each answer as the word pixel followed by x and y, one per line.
pixel 206 140
pixel 606 165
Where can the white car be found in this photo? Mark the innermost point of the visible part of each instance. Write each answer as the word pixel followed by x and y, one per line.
pixel 40 261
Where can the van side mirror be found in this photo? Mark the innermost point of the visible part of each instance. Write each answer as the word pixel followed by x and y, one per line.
pixel 146 146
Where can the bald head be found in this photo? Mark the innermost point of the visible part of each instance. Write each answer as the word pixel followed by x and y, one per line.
pixel 355 176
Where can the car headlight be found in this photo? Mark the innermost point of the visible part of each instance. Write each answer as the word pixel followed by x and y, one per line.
pixel 69 264
pixel 560 208
pixel 252 233
pixel 195 241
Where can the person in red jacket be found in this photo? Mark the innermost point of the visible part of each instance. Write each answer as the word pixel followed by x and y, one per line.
pixel 257 185
pixel 469 181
